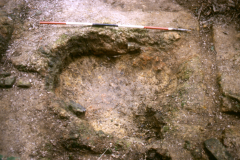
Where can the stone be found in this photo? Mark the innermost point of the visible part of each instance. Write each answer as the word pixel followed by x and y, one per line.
pixel 45 50
pixel 5 74
pixel 165 128
pixel 217 149
pixel 23 83
pixel 169 37
pixel 9 81
pixel 133 47
pixel 63 114
pixel 76 108
pixel 58 107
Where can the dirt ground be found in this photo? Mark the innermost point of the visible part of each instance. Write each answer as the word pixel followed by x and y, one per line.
pixel 119 93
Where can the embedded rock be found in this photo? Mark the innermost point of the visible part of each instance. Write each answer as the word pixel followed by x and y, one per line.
pixel 76 108
pixel 58 109
pixel 217 149
pixel 4 74
pixel 7 82
pixel 24 83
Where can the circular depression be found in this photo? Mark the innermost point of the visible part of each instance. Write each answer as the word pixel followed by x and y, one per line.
pixel 113 88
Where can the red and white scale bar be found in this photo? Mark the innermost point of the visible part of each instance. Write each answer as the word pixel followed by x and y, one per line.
pixel 115 25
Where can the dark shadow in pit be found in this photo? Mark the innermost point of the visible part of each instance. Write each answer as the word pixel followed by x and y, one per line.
pixel 108 45
pixel 153 154
pixel 236 114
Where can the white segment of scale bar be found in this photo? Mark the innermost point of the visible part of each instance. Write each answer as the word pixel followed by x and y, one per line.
pixel 79 23
pixel 131 26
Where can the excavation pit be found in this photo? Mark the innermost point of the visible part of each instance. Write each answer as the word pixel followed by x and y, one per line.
pixel 117 81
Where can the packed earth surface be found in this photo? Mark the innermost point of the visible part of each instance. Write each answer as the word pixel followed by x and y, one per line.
pixel 80 92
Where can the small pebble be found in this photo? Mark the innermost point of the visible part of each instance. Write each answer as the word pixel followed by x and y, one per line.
pixel 24 83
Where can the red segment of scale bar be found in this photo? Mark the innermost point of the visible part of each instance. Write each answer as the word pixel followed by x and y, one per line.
pixel 151 27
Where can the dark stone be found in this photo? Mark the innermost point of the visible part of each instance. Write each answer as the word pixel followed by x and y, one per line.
pixel 23 83
pixel 5 74
pixel 9 81
pixel 77 109
pixel 216 148
pixel 45 50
